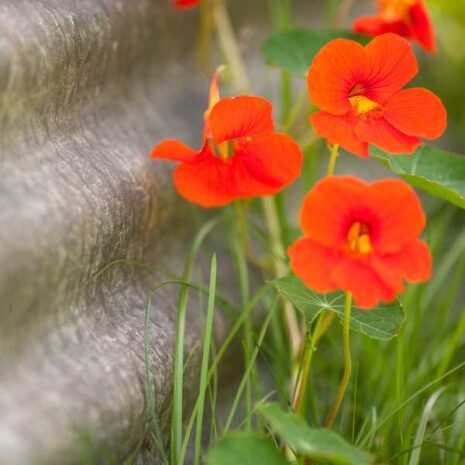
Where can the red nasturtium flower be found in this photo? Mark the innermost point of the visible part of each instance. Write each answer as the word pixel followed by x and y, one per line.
pixel 362 238
pixel 359 92
pixel 186 3
pixel 241 156
pixel 407 18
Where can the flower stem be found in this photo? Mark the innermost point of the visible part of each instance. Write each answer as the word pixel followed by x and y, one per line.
pixel 334 153
pixel 232 55
pixel 322 324
pixel 228 45
pixel 281 269
pixel 347 364
pixel 240 245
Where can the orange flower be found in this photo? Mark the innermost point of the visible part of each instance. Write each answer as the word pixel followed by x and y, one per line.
pixel 362 238
pixel 241 156
pixel 182 4
pixel 359 92
pixel 408 18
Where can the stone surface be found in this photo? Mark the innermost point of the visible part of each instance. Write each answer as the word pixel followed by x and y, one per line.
pixel 86 88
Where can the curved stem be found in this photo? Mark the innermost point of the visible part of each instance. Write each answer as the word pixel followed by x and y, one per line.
pixel 278 252
pixel 321 326
pixel 228 45
pixel 332 159
pixel 347 364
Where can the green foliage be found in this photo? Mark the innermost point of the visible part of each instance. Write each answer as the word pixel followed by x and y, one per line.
pixel 382 322
pixel 245 449
pixel 313 443
pixel 435 171
pixel 294 50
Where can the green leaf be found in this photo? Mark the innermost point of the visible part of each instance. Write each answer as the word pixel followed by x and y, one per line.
pixel 435 171
pixel 245 449
pixel 314 443
pixel 382 322
pixel 294 50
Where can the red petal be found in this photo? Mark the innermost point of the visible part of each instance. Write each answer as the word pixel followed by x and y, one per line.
pixel 330 207
pixel 422 26
pixel 376 25
pixel 400 217
pixel 332 74
pixel 213 99
pixel 313 264
pixel 339 130
pixel 372 25
pixel 413 262
pixel 379 132
pixel 235 117
pixel 264 165
pixel 206 181
pixel 186 3
pixel 417 112
pixel 363 282
pixel 173 150
pixel 390 64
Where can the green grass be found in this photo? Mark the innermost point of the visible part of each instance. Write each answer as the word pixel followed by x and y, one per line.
pixel 406 400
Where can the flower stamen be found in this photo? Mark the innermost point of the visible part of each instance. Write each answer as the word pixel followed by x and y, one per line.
pixel 362 105
pixel 358 239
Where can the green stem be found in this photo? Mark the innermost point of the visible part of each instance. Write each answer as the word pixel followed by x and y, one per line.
pixel 342 13
pixel 280 12
pixel 228 45
pixel 321 326
pixel 295 109
pixel 240 245
pixel 332 159
pixel 281 269
pixel 347 364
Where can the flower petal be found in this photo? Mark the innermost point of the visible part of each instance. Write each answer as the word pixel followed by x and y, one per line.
pixel 422 26
pixel 413 262
pixel 339 130
pixel 245 116
pixel 417 112
pixel 400 217
pixel 390 64
pixel 379 132
pixel 206 181
pixel 333 72
pixel 330 207
pixel 376 25
pixel 313 263
pixel 173 150
pixel 363 282
pixel 186 3
pixel 264 165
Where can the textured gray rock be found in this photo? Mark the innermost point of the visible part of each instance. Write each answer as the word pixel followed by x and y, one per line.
pixel 86 88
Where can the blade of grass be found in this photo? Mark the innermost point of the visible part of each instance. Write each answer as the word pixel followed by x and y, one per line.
pixel 214 366
pixel 207 340
pixel 249 369
pixel 178 370
pixel 421 429
pixel 408 401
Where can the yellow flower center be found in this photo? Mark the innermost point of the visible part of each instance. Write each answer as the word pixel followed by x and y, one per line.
pixel 362 105
pixel 358 239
